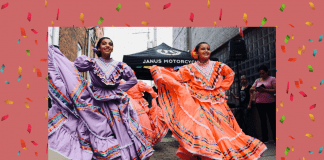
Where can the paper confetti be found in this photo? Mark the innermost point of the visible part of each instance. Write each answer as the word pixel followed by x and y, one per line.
pixel 166 6
pixel 313 87
pixel 58 12
pixel 4 117
pixel 320 39
pixel 29 17
pixel 321 82
pixel 312 106
pixel 47 37
pixel 299 50
pixel 34 31
pixel 283 49
pixel 28 52
pixel 45 98
pixel 45 4
pixel 310 152
pixel 291 25
pixel 283 158
pixel 291 97
pixel 81 17
pixel 19 70
pixel 309 135
pixel 263 21
pixel 310 40
pixel 312 5
pixel 303 49
pixel 4 6
pixel 314 53
pixel 292 59
pixel 46 78
pixel 52 23
pixel 19 78
pixel 7 82
pixel 2 68
pixel 34 143
pixel 29 128
pixel 310 68
pixel 287 38
pixel 300 81
pixel 100 20
pixel 287 150
pixel 208 4
pixel 215 23
pixel 244 17
pixel 302 93
pixel 23 33
pixel 127 25
pixel 291 137
pixel 292 148
pixel 282 119
pixel 39 73
pixel 277 138
pixel 297 84
pixel 36 42
pixel 118 7
pixel 309 23
pixel 321 150
pixel 36 154
pixel 191 17
pixel 287 88
pixel 277 108
pixel 292 37
pixel 34 69
pixel 220 15
pixel 312 117
pixel 145 23
pixel 43 60
pixel 281 104
pixel 8 101
pixel 47 149
pixel 23 144
pixel 45 115
pixel 18 41
pixel 147 5
pixel 26 104
pixel 29 99
pixel 18 153
pixel 27 86
pixel 282 7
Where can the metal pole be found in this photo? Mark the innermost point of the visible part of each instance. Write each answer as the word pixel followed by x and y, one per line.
pixel 238 79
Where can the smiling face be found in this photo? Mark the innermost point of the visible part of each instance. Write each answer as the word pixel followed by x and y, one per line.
pixel 204 52
pixel 106 47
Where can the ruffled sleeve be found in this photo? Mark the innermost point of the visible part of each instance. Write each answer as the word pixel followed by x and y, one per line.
pixel 83 63
pixel 185 74
pixel 129 76
pixel 146 88
pixel 229 77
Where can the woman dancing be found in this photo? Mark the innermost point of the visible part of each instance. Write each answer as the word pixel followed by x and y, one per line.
pixel 93 122
pixel 195 109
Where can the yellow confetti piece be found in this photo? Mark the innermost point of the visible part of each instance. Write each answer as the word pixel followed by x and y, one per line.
pixel 147 5
pixel 145 23
pixel 26 104
pixel 27 86
pixel 309 135
pixel 45 115
pixel 8 101
pixel 312 5
pixel 277 108
pixel 81 17
pixel 45 4
pixel 281 104
pixel 299 50
pixel 52 23
pixel 208 4
pixel 292 148
pixel 309 23
pixel 215 23
pixel 303 158
pixel 46 98
pixel 25 36
pixel 303 49
pixel 277 26
pixel 312 117
pixel 313 87
pixel 25 148
pixel 112 25
pixel 277 138
pixel 292 37
pixel 19 70
pixel 244 17
pixel 34 69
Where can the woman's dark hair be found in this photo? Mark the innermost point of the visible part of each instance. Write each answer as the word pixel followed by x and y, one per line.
pixel 264 68
pixel 99 42
pixel 198 45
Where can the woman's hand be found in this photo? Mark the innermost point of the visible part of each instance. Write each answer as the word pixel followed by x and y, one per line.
pixel 261 89
pixel 249 106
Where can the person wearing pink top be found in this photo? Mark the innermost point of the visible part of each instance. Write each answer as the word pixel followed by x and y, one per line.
pixel 265 101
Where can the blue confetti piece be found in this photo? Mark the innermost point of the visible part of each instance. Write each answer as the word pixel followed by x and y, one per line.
pixel 320 39
pixel 97 26
pixel 321 82
pixel 310 152
pixel 7 82
pixel 2 68
pixel 310 40
pixel 19 78
pixel 315 51
pixel 18 40
pixel 261 26
pixel 321 149
pixel 18 153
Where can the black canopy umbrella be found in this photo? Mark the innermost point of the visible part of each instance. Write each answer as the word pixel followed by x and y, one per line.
pixel 162 55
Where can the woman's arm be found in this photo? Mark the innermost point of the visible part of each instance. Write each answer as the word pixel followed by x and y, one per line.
pixel 229 77
pixel 146 88
pixel 130 78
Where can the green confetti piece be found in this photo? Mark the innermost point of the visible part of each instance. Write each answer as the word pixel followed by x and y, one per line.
pixel 310 152
pixel 287 150
pixel 310 68
pixel 314 53
pixel 28 52
pixel 18 153
pixel 46 78
pixel 19 78
pixel 287 38
pixel 321 150
pixel 321 82
pixel 320 39
pixel 138 66
pixel 282 7
pixel 2 68
pixel 310 40
pixel 18 40
pixel 282 119
pixel 7 82
pixel 264 20
pixel 100 20
pixel 118 7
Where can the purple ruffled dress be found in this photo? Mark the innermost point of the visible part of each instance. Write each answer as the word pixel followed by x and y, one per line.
pixel 93 122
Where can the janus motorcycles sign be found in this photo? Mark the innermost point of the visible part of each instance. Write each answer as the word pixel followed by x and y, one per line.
pixel 168 61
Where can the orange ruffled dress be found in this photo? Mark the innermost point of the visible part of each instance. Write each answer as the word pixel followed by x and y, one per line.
pixel 195 109
pixel 150 119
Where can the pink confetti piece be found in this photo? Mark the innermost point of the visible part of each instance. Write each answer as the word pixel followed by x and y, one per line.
pixel 47 149
pixel 29 128
pixel 287 87
pixel 34 31
pixel 47 37
pixel 4 6
pixel 4 117
pixel 220 16
pixel 312 106
pixel 291 97
pixel 241 32
pixel 58 11
pixel 191 17
pixel 302 93
pixel 29 17
pixel 166 6
pixel 34 143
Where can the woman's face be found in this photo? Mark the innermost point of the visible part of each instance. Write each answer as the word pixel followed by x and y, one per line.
pixel 204 52
pixel 243 80
pixel 106 47
pixel 263 74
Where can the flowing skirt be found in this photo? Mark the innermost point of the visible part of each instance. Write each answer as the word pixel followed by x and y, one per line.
pixel 206 130
pixel 83 125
